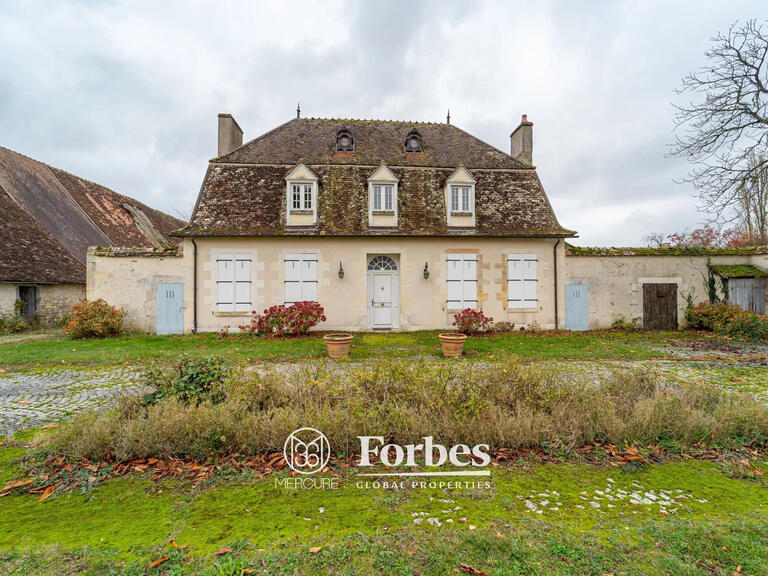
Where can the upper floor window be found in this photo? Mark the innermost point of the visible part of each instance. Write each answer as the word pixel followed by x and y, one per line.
pixel 382 202
pixel 460 199
pixel 382 197
pixel 301 197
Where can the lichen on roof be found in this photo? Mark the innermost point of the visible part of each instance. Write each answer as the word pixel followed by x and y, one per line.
pixel 738 271
pixel 665 251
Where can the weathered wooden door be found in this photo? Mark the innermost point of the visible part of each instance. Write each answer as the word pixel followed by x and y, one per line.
pixel 170 308
pixel 660 306
pixel 576 307
pixel 747 293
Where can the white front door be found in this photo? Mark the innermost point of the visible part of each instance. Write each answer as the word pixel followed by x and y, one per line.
pixel 382 300
pixel 383 293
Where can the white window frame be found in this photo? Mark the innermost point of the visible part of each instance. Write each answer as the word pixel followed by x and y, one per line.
pixel 466 206
pixel 307 281
pixel 522 281
pixel 463 198
pixel 239 284
pixel 289 183
pixel 382 183
pixel 466 268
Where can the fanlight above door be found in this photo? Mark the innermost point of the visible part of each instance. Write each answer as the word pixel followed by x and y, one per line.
pixel 382 263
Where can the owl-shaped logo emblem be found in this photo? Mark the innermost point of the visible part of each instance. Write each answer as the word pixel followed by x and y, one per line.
pixel 307 450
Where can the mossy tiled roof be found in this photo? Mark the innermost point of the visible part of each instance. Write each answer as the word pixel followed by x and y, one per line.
pixel 739 271
pixel 244 191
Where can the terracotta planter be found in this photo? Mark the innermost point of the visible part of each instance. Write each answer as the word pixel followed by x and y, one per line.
pixel 453 343
pixel 338 344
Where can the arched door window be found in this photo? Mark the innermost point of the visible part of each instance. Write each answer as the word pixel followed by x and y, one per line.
pixel 382 263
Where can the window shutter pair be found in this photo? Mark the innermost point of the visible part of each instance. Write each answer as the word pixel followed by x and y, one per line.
pixel 522 281
pixel 300 278
pixel 233 283
pixel 462 281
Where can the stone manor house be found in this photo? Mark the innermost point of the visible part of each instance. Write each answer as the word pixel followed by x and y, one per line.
pixel 396 226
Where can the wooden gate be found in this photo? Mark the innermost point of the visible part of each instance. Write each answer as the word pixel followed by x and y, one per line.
pixel 660 306
pixel 748 293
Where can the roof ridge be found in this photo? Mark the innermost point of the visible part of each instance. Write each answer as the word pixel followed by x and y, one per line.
pixel 419 122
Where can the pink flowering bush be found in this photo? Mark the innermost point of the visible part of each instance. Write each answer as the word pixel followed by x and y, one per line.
pixel 94 319
pixel 470 321
pixel 280 321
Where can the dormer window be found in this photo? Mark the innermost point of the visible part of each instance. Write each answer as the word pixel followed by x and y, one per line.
pixel 382 194
pixel 344 141
pixel 413 142
pixel 460 199
pixel 301 197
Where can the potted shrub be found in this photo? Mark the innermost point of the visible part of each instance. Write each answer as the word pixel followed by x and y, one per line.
pixel 467 322
pixel 338 344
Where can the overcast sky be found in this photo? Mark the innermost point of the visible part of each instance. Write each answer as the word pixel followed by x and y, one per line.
pixel 126 93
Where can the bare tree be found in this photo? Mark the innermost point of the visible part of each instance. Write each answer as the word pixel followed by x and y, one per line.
pixel 723 131
pixel 654 239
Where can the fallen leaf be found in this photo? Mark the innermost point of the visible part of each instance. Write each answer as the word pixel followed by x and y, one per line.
pixel 467 569
pixel 500 535
pixel 157 562
pixel 49 426
pixel 410 552
pixel 248 571
pixel 48 491
pixel 472 527
pixel 17 484
pixel 173 543
pixel 315 549
pixel 222 551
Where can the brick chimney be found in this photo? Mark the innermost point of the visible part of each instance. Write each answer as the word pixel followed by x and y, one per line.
pixel 230 134
pixel 521 141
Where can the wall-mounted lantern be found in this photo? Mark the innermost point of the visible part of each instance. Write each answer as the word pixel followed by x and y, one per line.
pixel 341 270
pixel 426 270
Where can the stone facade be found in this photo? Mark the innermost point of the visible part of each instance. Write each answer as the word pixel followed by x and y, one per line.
pixel 54 303
pixel 128 279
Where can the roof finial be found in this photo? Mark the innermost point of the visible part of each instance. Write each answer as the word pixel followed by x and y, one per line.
pixel 448 118
pixel 298 110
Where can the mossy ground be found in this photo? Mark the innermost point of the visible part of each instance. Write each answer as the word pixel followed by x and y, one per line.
pixel 138 349
pixel 534 519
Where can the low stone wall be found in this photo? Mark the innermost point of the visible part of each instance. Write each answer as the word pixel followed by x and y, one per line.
pixel 57 299
pixel 615 278
pixel 8 295
pixel 128 278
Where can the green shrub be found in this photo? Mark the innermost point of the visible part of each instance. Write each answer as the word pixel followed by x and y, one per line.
pixel 502 404
pixel 728 320
pixel 189 379
pixel 94 319
pixel 11 324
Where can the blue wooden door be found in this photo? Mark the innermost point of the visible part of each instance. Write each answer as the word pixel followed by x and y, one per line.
pixel 576 307
pixel 170 308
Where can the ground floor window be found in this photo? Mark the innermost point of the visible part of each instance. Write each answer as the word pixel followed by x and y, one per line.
pixel 233 283
pixel 462 281
pixel 300 278
pixel 522 282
